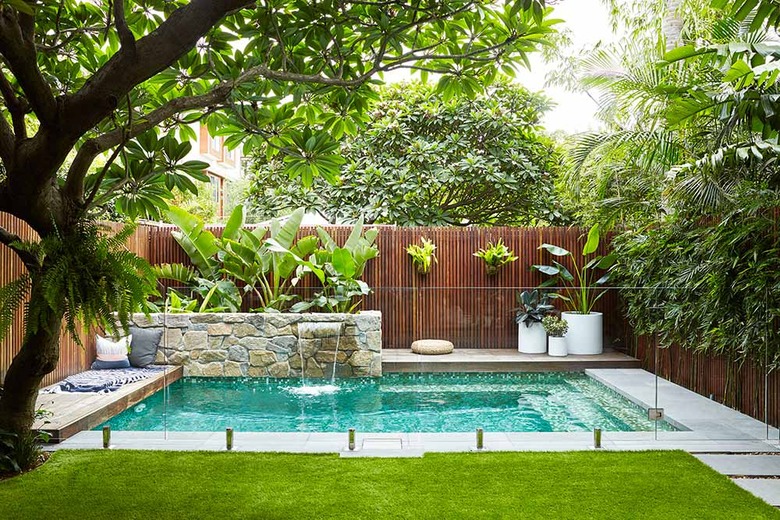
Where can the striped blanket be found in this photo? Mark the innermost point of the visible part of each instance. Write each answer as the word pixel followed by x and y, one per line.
pixel 103 381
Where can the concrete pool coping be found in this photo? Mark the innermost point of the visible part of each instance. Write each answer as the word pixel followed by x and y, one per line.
pixel 710 427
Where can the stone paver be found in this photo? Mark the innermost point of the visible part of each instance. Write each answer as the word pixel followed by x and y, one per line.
pixel 766 489
pixel 747 465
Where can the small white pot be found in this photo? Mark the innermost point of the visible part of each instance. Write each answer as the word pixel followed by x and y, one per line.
pixel 557 347
pixel 585 336
pixel 531 340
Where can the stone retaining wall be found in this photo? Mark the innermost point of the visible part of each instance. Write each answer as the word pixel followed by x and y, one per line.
pixel 270 344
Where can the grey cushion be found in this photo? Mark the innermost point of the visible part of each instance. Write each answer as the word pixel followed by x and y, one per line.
pixel 109 365
pixel 143 348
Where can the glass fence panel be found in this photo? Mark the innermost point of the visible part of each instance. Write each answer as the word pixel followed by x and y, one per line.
pixel 643 379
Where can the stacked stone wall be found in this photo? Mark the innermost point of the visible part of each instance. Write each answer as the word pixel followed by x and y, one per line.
pixel 269 345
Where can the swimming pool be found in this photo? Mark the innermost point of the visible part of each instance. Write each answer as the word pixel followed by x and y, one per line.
pixel 512 402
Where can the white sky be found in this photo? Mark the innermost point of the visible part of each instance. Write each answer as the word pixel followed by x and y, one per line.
pixel 588 22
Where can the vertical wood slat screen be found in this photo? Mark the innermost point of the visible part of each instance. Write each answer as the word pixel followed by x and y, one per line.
pixel 73 358
pixel 746 387
pixel 457 300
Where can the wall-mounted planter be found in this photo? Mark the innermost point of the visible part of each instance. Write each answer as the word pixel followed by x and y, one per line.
pixel 270 344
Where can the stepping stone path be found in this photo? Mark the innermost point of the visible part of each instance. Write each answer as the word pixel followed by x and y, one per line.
pixel 757 473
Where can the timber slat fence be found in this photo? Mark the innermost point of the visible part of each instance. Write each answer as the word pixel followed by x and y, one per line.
pixel 457 300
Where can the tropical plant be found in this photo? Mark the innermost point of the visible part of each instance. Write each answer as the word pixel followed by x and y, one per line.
pixel 424 159
pixel 339 268
pixel 495 256
pixel 216 292
pixel 555 326
pixel 270 273
pixel 579 289
pixel 532 307
pixel 423 256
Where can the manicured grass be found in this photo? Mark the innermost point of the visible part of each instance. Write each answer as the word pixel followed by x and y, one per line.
pixel 157 485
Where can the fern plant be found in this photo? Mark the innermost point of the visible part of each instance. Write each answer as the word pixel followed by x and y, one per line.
pixel 89 276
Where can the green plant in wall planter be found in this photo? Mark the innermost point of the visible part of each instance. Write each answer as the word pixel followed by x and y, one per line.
pixel 423 256
pixel 581 288
pixel 496 256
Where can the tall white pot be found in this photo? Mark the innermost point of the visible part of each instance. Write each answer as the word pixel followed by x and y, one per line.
pixel 586 333
pixel 531 340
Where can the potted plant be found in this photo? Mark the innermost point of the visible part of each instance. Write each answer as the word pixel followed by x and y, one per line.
pixel 580 291
pixel 531 338
pixel 496 256
pixel 422 256
pixel 556 329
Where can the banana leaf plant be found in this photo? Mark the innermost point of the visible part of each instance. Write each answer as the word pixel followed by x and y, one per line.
pixel 338 269
pixel 216 293
pixel 270 273
pixel 579 286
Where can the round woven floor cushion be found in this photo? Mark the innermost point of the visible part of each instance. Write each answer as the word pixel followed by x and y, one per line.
pixel 432 346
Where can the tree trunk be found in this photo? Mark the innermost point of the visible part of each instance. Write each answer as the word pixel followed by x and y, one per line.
pixel 38 356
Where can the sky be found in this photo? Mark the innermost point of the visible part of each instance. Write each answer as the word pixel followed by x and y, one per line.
pixel 588 22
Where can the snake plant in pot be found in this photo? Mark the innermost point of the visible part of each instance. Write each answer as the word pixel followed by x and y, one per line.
pixel 531 338
pixel 580 288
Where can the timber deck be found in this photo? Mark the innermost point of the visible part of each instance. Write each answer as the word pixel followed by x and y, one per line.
pixel 500 360
pixel 72 412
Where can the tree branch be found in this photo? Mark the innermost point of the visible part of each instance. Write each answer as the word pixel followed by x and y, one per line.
pixel 151 54
pixel 17 46
pixel 126 38
pixel 6 143
pixel 10 240
pixel 16 107
pixel 74 183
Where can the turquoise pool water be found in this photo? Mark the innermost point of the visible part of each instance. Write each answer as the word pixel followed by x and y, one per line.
pixel 523 402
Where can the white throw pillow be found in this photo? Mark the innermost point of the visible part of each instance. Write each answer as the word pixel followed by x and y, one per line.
pixel 108 350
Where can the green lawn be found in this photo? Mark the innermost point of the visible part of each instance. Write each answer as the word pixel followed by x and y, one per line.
pixel 156 485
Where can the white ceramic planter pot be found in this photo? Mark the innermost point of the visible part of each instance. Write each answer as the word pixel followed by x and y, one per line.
pixel 585 336
pixel 557 347
pixel 531 340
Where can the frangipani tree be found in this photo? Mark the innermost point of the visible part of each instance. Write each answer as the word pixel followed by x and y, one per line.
pixel 85 84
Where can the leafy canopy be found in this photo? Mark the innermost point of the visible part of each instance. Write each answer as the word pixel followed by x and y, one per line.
pixel 426 159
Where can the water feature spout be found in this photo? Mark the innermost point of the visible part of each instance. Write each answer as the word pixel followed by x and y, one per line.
pixel 316 330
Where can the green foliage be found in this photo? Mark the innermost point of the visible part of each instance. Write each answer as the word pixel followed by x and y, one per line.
pixel 580 290
pixel 555 326
pixel 339 269
pixel 709 285
pixel 269 262
pixel 87 275
pixel 496 256
pixel 22 451
pixel 532 307
pixel 423 256
pixel 425 159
